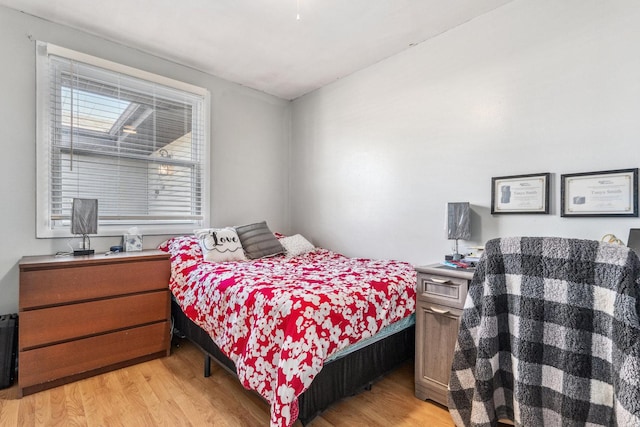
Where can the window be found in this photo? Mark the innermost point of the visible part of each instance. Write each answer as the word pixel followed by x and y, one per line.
pixel 135 141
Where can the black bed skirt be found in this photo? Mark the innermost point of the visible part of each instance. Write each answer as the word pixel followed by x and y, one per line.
pixel 338 379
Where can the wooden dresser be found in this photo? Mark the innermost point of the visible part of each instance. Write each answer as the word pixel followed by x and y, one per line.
pixel 441 293
pixel 81 316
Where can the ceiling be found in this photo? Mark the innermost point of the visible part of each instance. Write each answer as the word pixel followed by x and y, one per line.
pixel 261 43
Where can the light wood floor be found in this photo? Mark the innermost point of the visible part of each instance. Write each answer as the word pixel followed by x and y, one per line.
pixel 172 392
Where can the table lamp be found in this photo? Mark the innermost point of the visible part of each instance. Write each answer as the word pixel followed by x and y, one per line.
pixel 458 224
pixel 84 220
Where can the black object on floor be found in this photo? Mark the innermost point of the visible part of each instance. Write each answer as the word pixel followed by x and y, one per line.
pixel 8 349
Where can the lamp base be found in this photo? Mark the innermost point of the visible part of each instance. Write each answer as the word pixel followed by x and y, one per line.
pixel 80 252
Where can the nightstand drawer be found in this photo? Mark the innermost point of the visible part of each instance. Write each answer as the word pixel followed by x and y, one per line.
pixel 73 321
pixel 440 289
pixel 46 364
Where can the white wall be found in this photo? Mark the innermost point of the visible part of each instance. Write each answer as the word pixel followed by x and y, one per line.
pixel 250 135
pixel 534 86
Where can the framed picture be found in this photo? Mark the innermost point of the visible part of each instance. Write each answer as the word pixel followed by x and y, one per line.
pixel 605 193
pixel 520 194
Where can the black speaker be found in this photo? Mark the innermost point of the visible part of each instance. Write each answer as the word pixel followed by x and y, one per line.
pixel 8 349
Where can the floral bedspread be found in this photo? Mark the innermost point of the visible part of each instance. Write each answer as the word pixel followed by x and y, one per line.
pixel 279 318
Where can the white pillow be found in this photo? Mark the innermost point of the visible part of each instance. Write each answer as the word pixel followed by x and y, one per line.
pixel 220 244
pixel 296 245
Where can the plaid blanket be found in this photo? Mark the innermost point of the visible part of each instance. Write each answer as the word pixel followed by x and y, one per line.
pixel 549 336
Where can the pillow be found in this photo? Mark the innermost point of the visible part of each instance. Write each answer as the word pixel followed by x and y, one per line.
pixel 296 245
pixel 258 241
pixel 220 244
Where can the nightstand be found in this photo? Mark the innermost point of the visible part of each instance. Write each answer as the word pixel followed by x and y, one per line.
pixel 81 316
pixel 440 297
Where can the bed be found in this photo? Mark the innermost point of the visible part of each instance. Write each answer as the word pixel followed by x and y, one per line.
pixel 302 330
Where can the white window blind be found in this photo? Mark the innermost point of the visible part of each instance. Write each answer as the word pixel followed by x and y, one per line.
pixel 133 140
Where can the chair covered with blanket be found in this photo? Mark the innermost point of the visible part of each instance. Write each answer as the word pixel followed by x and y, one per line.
pixel 549 336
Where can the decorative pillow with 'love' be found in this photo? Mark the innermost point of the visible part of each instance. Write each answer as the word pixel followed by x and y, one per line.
pixel 220 244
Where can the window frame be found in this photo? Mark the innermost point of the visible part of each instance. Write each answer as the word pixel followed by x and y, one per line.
pixel 44 227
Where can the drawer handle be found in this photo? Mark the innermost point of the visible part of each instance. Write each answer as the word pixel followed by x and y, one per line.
pixel 440 281
pixel 438 311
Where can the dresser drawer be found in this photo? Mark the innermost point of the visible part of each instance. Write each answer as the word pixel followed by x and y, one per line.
pixel 442 289
pixel 57 324
pixel 49 363
pixel 54 286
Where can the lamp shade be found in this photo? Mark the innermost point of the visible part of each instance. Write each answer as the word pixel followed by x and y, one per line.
pixel 84 216
pixel 458 220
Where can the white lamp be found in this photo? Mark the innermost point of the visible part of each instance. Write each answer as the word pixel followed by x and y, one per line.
pixel 84 220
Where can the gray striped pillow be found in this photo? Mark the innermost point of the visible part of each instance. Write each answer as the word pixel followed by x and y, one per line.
pixel 258 241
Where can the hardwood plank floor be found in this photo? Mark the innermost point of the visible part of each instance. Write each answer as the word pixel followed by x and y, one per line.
pixel 172 392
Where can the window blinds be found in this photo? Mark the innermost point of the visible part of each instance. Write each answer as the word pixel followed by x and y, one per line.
pixel 134 144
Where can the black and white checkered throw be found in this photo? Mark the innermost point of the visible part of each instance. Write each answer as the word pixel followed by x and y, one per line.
pixel 550 336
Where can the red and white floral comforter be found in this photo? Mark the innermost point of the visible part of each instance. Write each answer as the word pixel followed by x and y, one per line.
pixel 279 318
